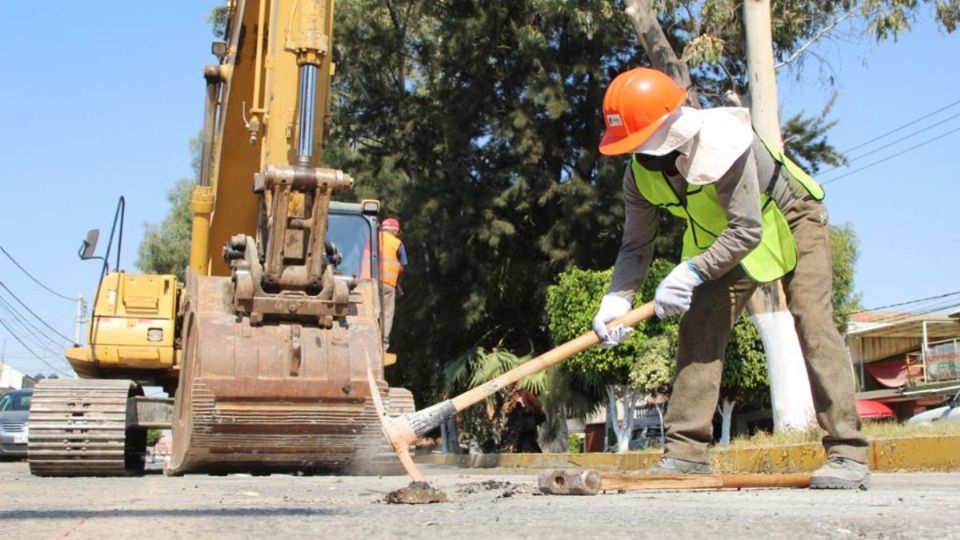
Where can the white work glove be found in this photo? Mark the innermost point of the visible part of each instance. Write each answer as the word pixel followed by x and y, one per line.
pixel 675 292
pixel 611 307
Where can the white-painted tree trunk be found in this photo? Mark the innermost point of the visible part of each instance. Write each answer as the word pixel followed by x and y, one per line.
pixel 790 395
pixel 621 428
pixel 726 418
pixel 789 384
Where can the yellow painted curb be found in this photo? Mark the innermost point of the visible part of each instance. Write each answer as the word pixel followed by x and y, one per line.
pixel 902 454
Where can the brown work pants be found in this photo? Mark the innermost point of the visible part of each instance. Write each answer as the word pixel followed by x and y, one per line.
pixel 705 331
pixel 389 299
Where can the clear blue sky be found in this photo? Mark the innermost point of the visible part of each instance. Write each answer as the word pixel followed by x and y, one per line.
pixel 100 99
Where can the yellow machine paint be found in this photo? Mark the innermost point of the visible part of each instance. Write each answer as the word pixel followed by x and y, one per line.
pixel 133 327
pixel 268 343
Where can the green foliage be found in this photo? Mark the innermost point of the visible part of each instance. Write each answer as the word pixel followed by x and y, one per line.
pixel 745 367
pixel 655 367
pixel 153 435
pixel 484 424
pixel 218 20
pixel 571 304
pixel 805 139
pixel 165 248
pixel 845 251
pixel 575 443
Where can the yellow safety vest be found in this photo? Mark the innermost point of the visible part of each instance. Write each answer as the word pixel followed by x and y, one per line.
pixel 774 257
pixel 390 267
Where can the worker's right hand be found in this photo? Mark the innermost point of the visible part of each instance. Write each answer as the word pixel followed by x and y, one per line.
pixel 611 307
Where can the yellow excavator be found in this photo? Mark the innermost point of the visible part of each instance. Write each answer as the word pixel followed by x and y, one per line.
pixel 266 347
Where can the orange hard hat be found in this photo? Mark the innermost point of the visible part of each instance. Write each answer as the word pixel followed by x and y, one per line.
pixel 635 105
pixel 391 224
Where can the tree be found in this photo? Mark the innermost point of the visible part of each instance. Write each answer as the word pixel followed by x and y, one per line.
pixel 482 427
pixel 641 366
pixel 844 247
pixel 571 303
pixel 165 248
pixel 477 125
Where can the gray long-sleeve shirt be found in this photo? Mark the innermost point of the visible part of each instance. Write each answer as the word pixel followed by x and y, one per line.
pixel 738 192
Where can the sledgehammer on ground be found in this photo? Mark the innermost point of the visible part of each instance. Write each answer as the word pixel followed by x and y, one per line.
pixel 590 482
pixel 404 430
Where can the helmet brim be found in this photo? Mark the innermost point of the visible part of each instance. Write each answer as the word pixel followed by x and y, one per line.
pixel 612 145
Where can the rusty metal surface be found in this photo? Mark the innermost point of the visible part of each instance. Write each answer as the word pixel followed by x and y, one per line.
pixel 79 428
pixel 279 397
pixel 149 412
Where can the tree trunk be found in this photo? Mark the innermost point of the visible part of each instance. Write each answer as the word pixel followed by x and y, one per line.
pixel 726 416
pixel 655 44
pixel 448 434
pixel 621 430
pixel 789 384
pixel 628 401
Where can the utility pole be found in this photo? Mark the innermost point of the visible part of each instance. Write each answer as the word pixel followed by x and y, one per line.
pixel 81 319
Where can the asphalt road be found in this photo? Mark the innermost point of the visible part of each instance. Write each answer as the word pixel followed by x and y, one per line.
pixel 489 504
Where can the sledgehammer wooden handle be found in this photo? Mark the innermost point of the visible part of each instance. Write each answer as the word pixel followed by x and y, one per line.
pixel 548 359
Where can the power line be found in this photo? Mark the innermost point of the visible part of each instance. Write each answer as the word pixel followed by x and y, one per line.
pixel 35 280
pixel 38 357
pixel 917 301
pixel 894 142
pixel 30 328
pixel 908 124
pixel 54 330
pixel 891 156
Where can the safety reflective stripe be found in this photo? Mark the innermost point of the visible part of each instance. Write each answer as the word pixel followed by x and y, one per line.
pixel 390 267
pixel 774 257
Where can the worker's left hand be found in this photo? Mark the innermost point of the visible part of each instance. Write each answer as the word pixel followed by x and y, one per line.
pixel 675 292
pixel 611 307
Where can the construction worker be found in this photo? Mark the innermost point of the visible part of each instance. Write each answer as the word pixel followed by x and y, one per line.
pixel 752 216
pixel 393 259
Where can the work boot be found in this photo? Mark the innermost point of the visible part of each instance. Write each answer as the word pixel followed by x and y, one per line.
pixel 841 473
pixel 669 465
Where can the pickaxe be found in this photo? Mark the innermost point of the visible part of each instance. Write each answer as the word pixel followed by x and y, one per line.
pixel 402 431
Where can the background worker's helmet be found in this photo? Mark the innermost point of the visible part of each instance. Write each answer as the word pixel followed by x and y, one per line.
pixel 391 224
pixel 635 105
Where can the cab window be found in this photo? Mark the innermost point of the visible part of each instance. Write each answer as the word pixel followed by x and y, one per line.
pixel 353 236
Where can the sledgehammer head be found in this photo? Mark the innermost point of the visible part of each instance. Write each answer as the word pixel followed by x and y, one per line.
pixel 569 482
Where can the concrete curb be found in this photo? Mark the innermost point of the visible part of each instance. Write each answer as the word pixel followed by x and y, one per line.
pixel 901 454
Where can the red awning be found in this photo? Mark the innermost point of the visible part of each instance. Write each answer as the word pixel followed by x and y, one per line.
pixel 872 410
pixel 889 374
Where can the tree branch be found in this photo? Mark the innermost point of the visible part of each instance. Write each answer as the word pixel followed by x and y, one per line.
pixel 825 30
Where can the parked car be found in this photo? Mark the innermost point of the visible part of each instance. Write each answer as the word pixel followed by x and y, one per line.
pixel 14 412
pixel 948 413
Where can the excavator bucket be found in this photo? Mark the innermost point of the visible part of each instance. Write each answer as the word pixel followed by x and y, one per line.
pixel 280 397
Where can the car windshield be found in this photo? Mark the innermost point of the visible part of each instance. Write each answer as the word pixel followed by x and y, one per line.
pixel 16 401
pixel 352 235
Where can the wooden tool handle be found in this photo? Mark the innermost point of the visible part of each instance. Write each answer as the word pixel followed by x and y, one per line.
pixel 548 359
pixel 637 481
pixel 765 480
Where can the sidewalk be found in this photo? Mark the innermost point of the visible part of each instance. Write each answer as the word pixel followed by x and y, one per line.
pixel 901 454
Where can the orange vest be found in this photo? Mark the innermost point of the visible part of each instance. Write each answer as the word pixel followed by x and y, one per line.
pixel 390 267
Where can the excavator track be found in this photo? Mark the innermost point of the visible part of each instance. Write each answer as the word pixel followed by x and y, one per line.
pixel 79 428
pixel 400 402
